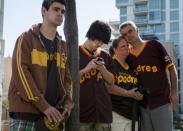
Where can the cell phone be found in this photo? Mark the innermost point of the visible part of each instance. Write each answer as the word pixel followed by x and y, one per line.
pixel 99 59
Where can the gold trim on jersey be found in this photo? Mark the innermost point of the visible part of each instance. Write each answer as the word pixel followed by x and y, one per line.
pixel 126 65
pixel 97 52
pixel 141 50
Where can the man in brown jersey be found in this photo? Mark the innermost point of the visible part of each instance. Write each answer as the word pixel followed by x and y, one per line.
pixel 151 61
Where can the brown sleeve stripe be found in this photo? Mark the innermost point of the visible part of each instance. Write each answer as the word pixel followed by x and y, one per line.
pixel 21 73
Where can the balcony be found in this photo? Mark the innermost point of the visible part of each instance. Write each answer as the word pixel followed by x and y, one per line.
pixel 114 24
pixel 140 11
pixel 121 3
pixel 140 1
pixel 141 21
pixel 154 22
pixel 116 33
pixel 146 31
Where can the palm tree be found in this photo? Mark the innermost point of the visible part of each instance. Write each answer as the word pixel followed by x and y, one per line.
pixel 71 35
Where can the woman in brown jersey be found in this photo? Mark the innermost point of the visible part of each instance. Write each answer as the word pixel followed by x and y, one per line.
pixel 124 93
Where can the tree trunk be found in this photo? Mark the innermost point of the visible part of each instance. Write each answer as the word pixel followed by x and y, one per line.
pixel 71 35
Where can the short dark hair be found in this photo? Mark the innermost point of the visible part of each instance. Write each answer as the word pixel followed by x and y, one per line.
pixel 115 44
pixel 47 3
pixel 126 23
pixel 99 30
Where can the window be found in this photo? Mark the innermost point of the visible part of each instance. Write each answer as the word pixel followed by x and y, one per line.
pixel 125 1
pixel 140 17
pixel 174 15
pixel 161 37
pixel 159 28
pixel 163 4
pixel 122 1
pixel 154 4
pixel 123 11
pixel 155 15
pixel 123 19
pixel 174 27
pixel 142 27
pixel 163 16
pixel 174 38
pixel 139 6
pixel 174 4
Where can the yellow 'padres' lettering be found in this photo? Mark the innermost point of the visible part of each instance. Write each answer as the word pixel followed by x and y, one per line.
pixel 88 75
pixel 126 79
pixel 146 68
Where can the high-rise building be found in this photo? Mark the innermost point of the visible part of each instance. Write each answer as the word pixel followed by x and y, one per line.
pixel 1 53
pixel 157 19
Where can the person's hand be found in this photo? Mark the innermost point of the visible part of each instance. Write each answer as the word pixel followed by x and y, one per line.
pixel 99 64
pixel 135 94
pixel 138 96
pixel 66 113
pixel 174 99
pixel 53 114
pixel 91 65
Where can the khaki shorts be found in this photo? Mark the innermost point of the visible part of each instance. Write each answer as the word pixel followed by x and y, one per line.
pixel 95 127
pixel 120 123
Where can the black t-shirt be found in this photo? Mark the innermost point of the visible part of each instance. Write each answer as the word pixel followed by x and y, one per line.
pixel 52 91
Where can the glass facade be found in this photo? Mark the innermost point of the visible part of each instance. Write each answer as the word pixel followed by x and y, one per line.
pixel 141 6
pixel 163 16
pixel 174 38
pixel 159 28
pixel 174 27
pixel 174 4
pixel 174 15
pixel 123 19
pixel 163 4
pixel 154 15
pixel 123 11
pixel 161 37
pixel 125 1
pixel 154 4
pixel 122 1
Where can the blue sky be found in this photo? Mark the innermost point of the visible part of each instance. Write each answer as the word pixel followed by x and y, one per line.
pixel 19 15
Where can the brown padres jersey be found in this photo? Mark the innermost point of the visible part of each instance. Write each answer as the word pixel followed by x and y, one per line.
pixel 95 103
pixel 151 64
pixel 126 79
